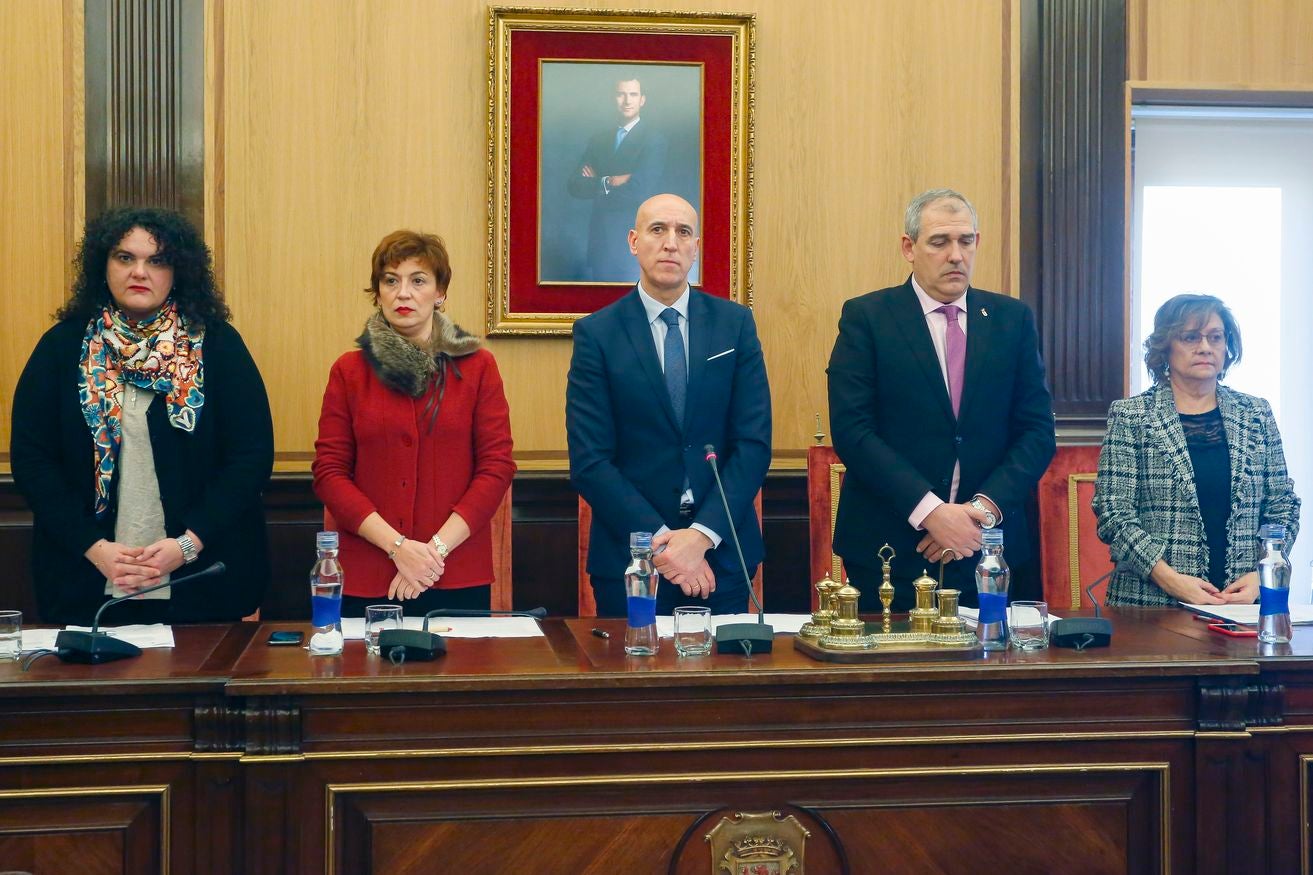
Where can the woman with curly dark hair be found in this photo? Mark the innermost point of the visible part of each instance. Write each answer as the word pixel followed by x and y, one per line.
pixel 141 433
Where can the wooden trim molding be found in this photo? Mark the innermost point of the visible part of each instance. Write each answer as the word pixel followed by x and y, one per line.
pixel 145 105
pixel 1073 195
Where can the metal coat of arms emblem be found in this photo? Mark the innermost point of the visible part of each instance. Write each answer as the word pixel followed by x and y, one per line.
pixel 757 844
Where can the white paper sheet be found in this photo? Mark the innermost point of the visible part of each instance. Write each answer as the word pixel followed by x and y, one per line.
pixel 144 636
pixel 971 615
pixel 1247 615
pixel 458 627
pixel 783 623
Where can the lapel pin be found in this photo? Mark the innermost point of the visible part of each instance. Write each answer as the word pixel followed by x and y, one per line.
pixel 984 312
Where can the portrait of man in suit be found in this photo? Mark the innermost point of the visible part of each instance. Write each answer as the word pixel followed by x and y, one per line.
pixel 654 378
pixel 613 135
pixel 939 411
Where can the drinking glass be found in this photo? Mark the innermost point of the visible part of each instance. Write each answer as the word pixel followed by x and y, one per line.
pixel 11 634
pixel 693 631
pixel 378 618
pixel 1028 623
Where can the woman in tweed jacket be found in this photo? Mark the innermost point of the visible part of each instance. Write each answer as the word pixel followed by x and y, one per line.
pixel 1190 469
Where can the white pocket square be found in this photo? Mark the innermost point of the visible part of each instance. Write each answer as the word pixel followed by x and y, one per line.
pixel 719 354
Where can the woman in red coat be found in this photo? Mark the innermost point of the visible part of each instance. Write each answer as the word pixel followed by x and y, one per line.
pixel 414 448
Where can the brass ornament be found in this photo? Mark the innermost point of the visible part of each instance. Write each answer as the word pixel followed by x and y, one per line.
pixel 765 843
pixel 933 630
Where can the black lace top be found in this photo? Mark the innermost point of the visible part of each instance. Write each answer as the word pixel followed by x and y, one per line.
pixel 1205 437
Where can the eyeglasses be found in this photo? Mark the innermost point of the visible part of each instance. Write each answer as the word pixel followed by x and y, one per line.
pixel 1191 338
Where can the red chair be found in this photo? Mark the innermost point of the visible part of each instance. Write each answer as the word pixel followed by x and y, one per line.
pixel 1071 554
pixel 824 477
pixel 501 551
pixel 587 605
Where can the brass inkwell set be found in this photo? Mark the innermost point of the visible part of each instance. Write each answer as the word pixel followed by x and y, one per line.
pixel 933 628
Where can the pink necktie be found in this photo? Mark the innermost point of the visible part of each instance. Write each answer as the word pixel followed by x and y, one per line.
pixel 955 354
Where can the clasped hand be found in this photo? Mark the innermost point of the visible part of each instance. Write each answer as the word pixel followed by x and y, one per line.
pixel 419 566
pixel 953 527
pixel 681 558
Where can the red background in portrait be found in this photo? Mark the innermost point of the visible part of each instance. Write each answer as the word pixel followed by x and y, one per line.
pixel 528 47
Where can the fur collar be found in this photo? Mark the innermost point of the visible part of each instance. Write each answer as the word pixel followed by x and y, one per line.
pixel 403 366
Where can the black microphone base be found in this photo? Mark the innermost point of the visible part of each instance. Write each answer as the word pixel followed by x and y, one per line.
pixel 87 648
pixel 415 645
pixel 744 639
pixel 1081 632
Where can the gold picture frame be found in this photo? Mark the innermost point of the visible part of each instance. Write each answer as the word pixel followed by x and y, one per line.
pixel 540 281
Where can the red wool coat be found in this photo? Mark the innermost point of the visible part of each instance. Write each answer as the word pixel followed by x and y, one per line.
pixel 373 454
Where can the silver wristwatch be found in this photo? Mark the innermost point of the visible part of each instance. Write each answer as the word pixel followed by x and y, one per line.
pixel 188 547
pixel 990 519
pixel 443 549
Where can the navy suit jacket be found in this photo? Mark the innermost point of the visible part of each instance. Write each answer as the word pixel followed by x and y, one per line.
pixel 894 427
pixel 628 455
pixel 642 155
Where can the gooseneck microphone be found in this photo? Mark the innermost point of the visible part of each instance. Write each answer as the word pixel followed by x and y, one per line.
pixel 421 645
pixel 747 638
pixel 96 647
pixel 1082 632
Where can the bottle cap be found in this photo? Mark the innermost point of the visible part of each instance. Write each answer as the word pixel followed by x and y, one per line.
pixel 991 537
pixel 640 540
pixel 1272 532
pixel 326 540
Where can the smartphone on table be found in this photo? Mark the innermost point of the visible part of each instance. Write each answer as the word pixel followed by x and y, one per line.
pixel 286 638
pixel 1233 630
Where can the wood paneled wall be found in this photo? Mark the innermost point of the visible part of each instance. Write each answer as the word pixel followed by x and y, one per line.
pixel 1222 42
pixel 337 121
pixel 345 120
pixel 41 180
pixel 332 122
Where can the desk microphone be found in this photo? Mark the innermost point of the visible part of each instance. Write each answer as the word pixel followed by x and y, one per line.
pixel 421 645
pixel 95 647
pixel 1082 632
pixel 747 638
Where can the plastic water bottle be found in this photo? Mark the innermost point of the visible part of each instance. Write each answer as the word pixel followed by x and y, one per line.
pixel 992 579
pixel 1273 587
pixel 641 593
pixel 326 597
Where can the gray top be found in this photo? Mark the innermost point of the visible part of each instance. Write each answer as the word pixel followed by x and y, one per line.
pixel 140 519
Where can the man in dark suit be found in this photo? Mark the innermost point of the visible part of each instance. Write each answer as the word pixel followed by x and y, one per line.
pixel 621 167
pixel 939 412
pixel 654 378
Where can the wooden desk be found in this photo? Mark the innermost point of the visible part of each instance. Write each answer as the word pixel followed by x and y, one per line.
pixel 561 755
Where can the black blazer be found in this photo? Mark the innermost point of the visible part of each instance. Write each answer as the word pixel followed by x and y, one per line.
pixel 628 456
pixel 210 480
pixel 894 427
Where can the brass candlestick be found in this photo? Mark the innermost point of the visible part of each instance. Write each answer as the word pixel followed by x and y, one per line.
pixel 886 555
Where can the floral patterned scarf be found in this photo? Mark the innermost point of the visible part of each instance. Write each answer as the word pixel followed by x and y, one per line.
pixel 162 353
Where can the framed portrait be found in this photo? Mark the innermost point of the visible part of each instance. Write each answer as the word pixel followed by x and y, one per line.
pixel 591 113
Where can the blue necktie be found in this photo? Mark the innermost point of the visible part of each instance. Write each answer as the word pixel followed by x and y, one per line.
pixel 619 138
pixel 676 366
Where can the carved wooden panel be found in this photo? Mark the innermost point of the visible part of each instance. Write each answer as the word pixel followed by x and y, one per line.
pixel 87 830
pixel 145 105
pixel 1073 201
pixel 1112 819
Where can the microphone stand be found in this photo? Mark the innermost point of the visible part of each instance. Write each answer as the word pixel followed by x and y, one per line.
pixel 96 647
pixel 1082 632
pixel 745 638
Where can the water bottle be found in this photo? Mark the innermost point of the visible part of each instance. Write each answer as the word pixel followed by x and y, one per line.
pixel 326 597
pixel 1273 587
pixel 992 579
pixel 641 592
